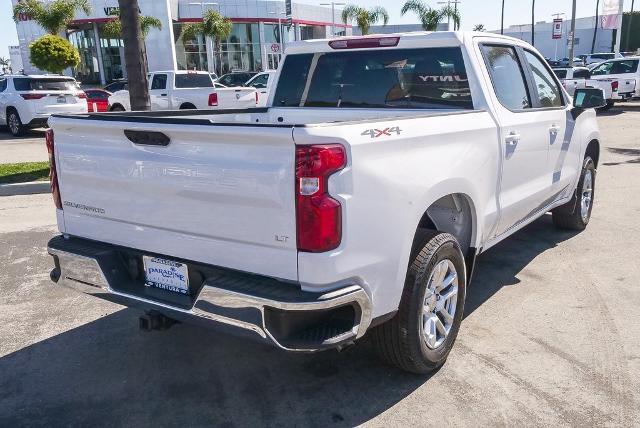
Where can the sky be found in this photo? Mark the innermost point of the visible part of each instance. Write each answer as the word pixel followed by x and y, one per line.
pixel 473 12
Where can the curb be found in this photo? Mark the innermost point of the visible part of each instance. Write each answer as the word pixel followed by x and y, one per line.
pixel 29 188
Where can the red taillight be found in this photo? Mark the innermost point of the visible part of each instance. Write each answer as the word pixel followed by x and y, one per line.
pixel 614 86
pixel 364 42
pixel 318 215
pixel 213 99
pixel 32 96
pixel 81 95
pixel 53 175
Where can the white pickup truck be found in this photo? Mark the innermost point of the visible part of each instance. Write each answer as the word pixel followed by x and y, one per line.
pixel 187 90
pixel 356 201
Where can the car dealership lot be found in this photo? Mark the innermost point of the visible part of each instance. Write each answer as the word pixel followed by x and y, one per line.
pixel 551 336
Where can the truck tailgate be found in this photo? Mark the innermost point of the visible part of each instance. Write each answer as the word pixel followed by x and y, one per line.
pixel 222 195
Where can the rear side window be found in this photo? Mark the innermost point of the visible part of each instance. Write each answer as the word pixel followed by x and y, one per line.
pixel 293 78
pixel 426 78
pixel 507 76
pixel 193 81
pixel 159 81
pixel 546 87
pixel 562 74
pixel 3 85
pixel 627 66
pixel 49 84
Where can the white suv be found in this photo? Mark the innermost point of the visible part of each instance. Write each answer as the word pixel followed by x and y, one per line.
pixel 28 101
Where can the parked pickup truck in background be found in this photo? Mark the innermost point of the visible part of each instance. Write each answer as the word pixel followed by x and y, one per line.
pixel 180 90
pixel 623 74
pixel 356 201
pixel 573 78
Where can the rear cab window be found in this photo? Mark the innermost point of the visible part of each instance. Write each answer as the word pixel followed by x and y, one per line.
pixel 421 78
pixel 44 84
pixel 193 80
pixel 562 74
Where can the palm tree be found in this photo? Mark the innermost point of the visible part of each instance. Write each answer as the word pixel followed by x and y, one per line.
pixel 478 27
pixel 4 63
pixel 135 54
pixel 533 22
pixel 113 29
pixel 502 19
pixel 213 25
pixel 364 18
pixel 429 17
pixel 54 16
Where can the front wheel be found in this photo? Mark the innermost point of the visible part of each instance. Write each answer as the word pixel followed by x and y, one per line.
pixel 420 336
pixel 575 214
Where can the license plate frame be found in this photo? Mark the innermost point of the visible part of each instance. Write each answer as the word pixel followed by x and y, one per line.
pixel 166 274
pixel 61 99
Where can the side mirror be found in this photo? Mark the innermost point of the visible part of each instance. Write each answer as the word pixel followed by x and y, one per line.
pixel 585 98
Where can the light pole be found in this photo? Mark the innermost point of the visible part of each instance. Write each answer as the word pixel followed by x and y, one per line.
pixel 333 15
pixel 502 19
pixel 207 40
pixel 573 33
pixel 533 22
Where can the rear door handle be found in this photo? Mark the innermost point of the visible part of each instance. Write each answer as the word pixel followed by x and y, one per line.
pixel 163 95
pixel 554 129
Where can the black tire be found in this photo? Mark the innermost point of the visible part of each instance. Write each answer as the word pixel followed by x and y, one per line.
pixel 569 216
pixel 14 123
pixel 117 107
pixel 400 341
pixel 608 106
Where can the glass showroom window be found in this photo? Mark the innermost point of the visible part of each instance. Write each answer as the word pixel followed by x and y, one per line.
pixel 87 70
pixel 190 54
pixel 241 51
pixel 112 56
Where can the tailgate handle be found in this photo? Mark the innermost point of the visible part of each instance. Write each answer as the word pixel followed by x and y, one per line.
pixel 147 138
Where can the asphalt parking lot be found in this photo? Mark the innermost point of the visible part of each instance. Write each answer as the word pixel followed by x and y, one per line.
pixel 551 337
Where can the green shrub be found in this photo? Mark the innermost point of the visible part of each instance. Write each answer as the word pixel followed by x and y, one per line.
pixel 53 54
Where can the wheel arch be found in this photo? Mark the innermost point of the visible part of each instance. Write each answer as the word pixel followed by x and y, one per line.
pixel 187 106
pixel 113 106
pixel 593 150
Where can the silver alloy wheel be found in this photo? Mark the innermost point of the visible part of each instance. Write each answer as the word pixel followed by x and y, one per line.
pixel 439 305
pixel 587 195
pixel 14 124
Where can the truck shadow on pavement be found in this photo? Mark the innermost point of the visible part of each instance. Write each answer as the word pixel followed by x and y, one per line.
pixel 108 373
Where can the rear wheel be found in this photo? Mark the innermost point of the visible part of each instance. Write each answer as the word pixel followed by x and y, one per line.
pixel 608 105
pixel 14 123
pixel 575 214
pixel 420 336
pixel 117 107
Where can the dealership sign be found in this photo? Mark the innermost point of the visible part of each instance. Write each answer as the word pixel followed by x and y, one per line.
pixel 557 29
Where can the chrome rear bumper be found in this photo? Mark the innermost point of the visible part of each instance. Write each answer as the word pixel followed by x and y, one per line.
pixel 278 312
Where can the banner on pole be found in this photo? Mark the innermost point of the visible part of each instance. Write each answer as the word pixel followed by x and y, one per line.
pixel 610 14
pixel 557 29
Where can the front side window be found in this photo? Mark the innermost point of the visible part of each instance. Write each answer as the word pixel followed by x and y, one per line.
pixel 602 69
pixel 260 81
pixel 507 76
pixel 159 81
pixel 549 94
pixel 425 78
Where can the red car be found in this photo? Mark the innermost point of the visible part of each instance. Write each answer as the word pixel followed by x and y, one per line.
pixel 97 99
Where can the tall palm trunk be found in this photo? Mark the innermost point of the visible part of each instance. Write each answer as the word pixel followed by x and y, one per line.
pixel 135 55
pixel 502 19
pixel 595 28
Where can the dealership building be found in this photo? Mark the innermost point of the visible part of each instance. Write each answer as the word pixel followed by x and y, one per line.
pixel 259 36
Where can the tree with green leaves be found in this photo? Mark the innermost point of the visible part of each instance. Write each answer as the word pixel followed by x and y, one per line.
pixel 213 25
pixel 113 29
pixel 53 16
pixel 53 54
pixel 364 18
pixel 430 17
